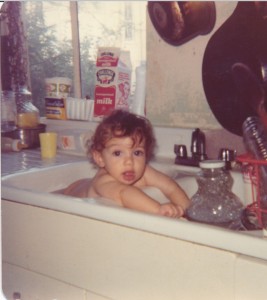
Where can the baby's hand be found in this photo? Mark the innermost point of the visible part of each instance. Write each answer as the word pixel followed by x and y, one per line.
pixel 171 210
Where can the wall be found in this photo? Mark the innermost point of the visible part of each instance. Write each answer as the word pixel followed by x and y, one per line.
pixel 175 95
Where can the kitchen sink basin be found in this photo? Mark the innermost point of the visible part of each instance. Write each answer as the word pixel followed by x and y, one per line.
pixel 54 178
pixel 36 187
pixel 36 183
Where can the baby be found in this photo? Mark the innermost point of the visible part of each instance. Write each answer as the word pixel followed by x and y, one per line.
pixel 122 146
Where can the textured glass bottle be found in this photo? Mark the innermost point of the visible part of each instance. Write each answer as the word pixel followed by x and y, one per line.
pixel 8 111
pixel 214 202
pixel 27 113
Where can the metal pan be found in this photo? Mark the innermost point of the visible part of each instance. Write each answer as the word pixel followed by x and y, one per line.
pixel 28 136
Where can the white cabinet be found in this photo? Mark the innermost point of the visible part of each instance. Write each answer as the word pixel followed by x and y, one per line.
pixel 250 281
pixel 52 255
pixel 33 286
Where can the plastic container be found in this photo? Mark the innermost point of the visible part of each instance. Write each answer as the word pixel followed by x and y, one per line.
pixel 138 105
pixel 58 87
pixel 214 202
pixel 79 109
pixel 74 141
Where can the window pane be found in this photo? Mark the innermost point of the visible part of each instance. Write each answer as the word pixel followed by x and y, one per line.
pixel 50 49
pixel 101 23
pixel 110 23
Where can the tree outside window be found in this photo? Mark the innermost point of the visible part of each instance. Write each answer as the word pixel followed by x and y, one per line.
pixel 101 23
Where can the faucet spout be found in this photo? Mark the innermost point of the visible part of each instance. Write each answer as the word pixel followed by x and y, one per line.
pixel 198 150
pixel 198 145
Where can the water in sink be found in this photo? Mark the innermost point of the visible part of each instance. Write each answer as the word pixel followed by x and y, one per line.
pixel 82 172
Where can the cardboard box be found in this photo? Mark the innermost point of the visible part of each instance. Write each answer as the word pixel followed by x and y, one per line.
pixel 55 108
pixel 58 87
pixel 57 90
pixel 112 81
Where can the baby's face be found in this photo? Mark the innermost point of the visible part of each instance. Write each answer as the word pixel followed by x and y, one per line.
pixel 123 160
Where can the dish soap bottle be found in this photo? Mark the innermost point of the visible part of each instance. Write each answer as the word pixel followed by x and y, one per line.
pixel 214 202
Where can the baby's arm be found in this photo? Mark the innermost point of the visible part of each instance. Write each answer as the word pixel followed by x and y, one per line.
pixel 132 197
pixel 168 186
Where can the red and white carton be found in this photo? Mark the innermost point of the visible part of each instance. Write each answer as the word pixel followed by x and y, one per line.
pixel 112 81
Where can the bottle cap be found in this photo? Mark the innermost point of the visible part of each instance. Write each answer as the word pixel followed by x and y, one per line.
pixel 211 164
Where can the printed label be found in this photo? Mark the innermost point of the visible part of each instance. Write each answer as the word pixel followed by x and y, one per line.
pixel 68 142
pixel 55 108
pixel 104 100
pixel 105 76
pixel 113 80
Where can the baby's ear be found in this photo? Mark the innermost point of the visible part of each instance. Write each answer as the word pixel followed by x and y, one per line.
pixel 97 157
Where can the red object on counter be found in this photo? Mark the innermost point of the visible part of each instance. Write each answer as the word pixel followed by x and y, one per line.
pixel 254 174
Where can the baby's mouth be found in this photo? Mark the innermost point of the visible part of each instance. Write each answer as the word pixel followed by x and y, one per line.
pixel 128 175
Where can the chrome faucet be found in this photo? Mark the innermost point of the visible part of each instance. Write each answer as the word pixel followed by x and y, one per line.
pixel 198 150
pixel 198 145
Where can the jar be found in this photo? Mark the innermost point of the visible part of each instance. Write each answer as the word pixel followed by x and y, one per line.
pixel 214 202
pixel 27 113
pixel 8 111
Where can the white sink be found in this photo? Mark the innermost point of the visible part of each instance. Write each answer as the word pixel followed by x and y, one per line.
pixel 38 186
pixel 35 187
pixel 54 178
pixel 27 186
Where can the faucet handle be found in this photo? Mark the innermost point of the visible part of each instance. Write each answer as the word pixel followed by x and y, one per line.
pixel 227 155
pixel 194 141
pixel 198 144
pixel 180 151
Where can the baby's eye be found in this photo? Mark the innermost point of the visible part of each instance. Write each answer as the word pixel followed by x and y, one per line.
pixel 117 153
pixel 138 152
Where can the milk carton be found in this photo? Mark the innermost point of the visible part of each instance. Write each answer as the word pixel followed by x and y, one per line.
pixel 112 81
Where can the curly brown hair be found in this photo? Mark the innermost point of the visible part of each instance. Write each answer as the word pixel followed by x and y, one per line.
pixel 121 123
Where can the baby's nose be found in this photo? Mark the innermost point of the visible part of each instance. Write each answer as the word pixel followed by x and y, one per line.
pixel 129 159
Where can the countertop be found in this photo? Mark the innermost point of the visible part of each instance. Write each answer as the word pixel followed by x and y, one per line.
pixel 13 162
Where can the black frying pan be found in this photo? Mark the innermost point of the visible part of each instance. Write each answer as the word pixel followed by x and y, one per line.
pixel 241 39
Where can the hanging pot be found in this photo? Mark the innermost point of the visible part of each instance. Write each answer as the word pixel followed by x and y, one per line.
pixel 179 21
pixel 234 67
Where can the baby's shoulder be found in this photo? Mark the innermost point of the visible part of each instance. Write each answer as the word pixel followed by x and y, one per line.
pixel 102 178
pixel 151 172
pixel 153 176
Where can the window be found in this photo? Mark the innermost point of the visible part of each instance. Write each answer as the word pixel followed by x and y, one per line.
pixel 49 30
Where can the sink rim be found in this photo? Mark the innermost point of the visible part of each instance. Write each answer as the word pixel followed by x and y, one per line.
pixel 204 234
